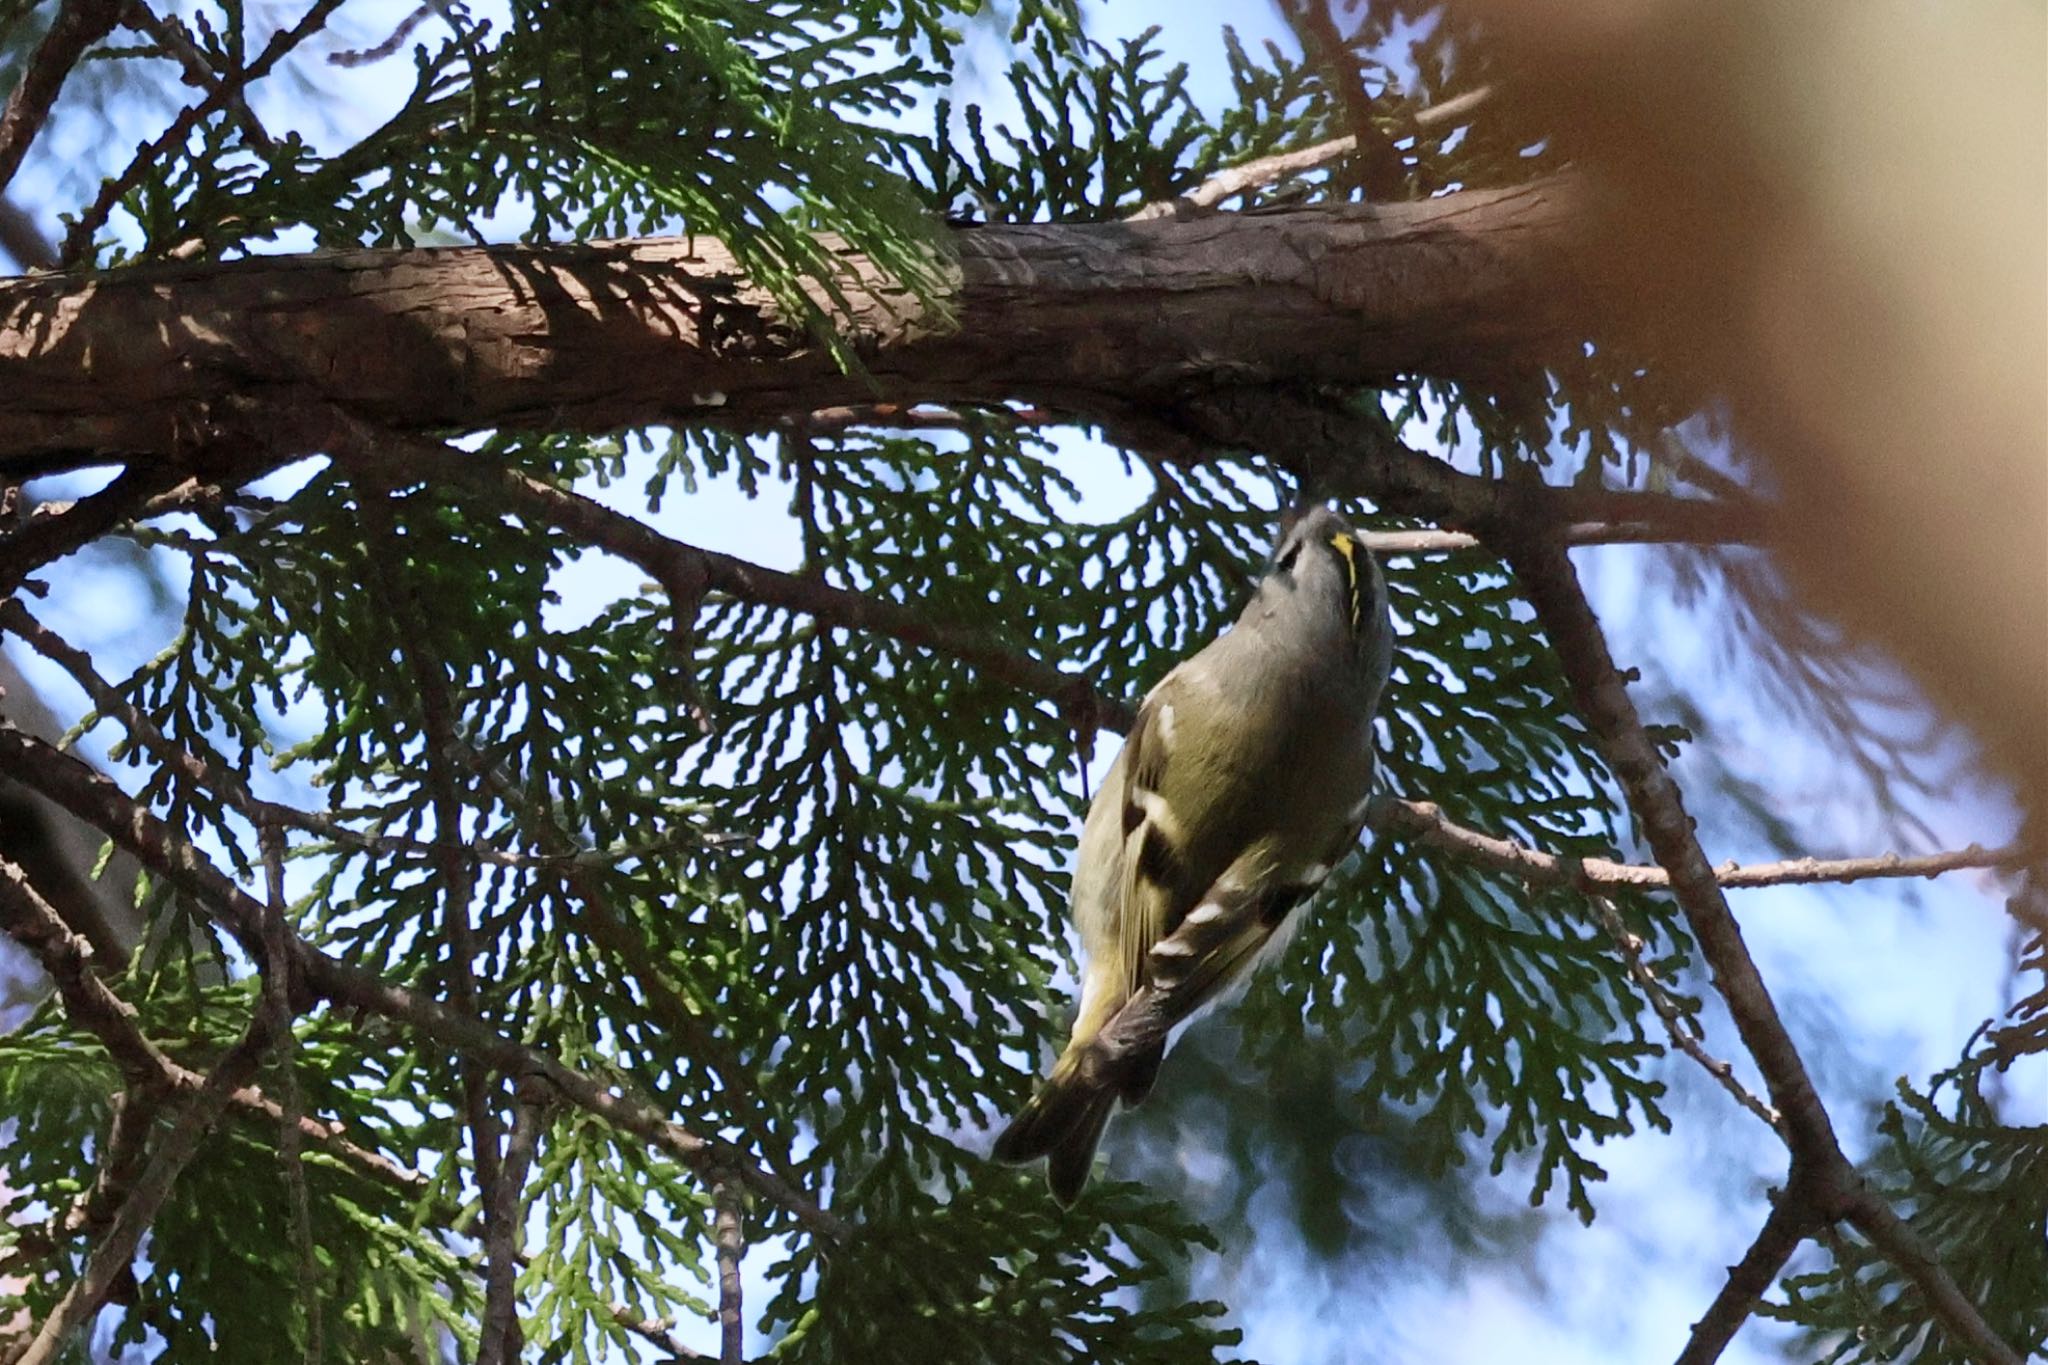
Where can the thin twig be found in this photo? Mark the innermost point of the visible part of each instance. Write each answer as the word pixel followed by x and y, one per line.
pixel 1676 1024
pixel 668 561
pixel 1268 170
pixel 1426 824
pixel 171 36
pixel 928 416
pixel 656 1332
pixel 596 918
pixel 204 775
pixel 35 925
pixel 78 25
pixel 79 239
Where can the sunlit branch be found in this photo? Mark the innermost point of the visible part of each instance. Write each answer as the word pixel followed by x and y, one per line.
pixel 1425 822
pixel 1268 170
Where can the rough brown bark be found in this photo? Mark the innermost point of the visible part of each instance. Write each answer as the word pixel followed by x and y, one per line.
pixel 1090 318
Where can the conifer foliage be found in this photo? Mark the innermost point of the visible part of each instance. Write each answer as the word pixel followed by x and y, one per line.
pixel 531 956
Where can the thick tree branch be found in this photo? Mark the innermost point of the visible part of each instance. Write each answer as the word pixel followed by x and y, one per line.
pixel 1602 700
pixel 95 799
pixel 1086 318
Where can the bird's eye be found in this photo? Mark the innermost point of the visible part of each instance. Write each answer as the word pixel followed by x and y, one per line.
pixel 1288 556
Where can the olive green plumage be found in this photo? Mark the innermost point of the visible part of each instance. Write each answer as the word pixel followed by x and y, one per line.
pixel 1243 782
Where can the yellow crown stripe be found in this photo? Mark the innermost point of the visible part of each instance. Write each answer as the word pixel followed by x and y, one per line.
pixel 1348 547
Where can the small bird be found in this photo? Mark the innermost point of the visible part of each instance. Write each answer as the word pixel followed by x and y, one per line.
pixel 1243 782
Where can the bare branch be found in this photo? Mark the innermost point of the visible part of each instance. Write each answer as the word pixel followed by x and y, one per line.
pixel 67 957
pixel 656 1332
pixel 1268 170
pixel 78 25
pixel 1067 316
pixel 1602 700
pixel 1676 1026
pixel 1426 823
pixel 1790 1223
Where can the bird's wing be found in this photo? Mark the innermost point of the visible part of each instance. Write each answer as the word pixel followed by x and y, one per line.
pixel 1154 895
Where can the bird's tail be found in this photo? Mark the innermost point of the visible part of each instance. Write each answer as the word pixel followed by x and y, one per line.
pixel 1063 1122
